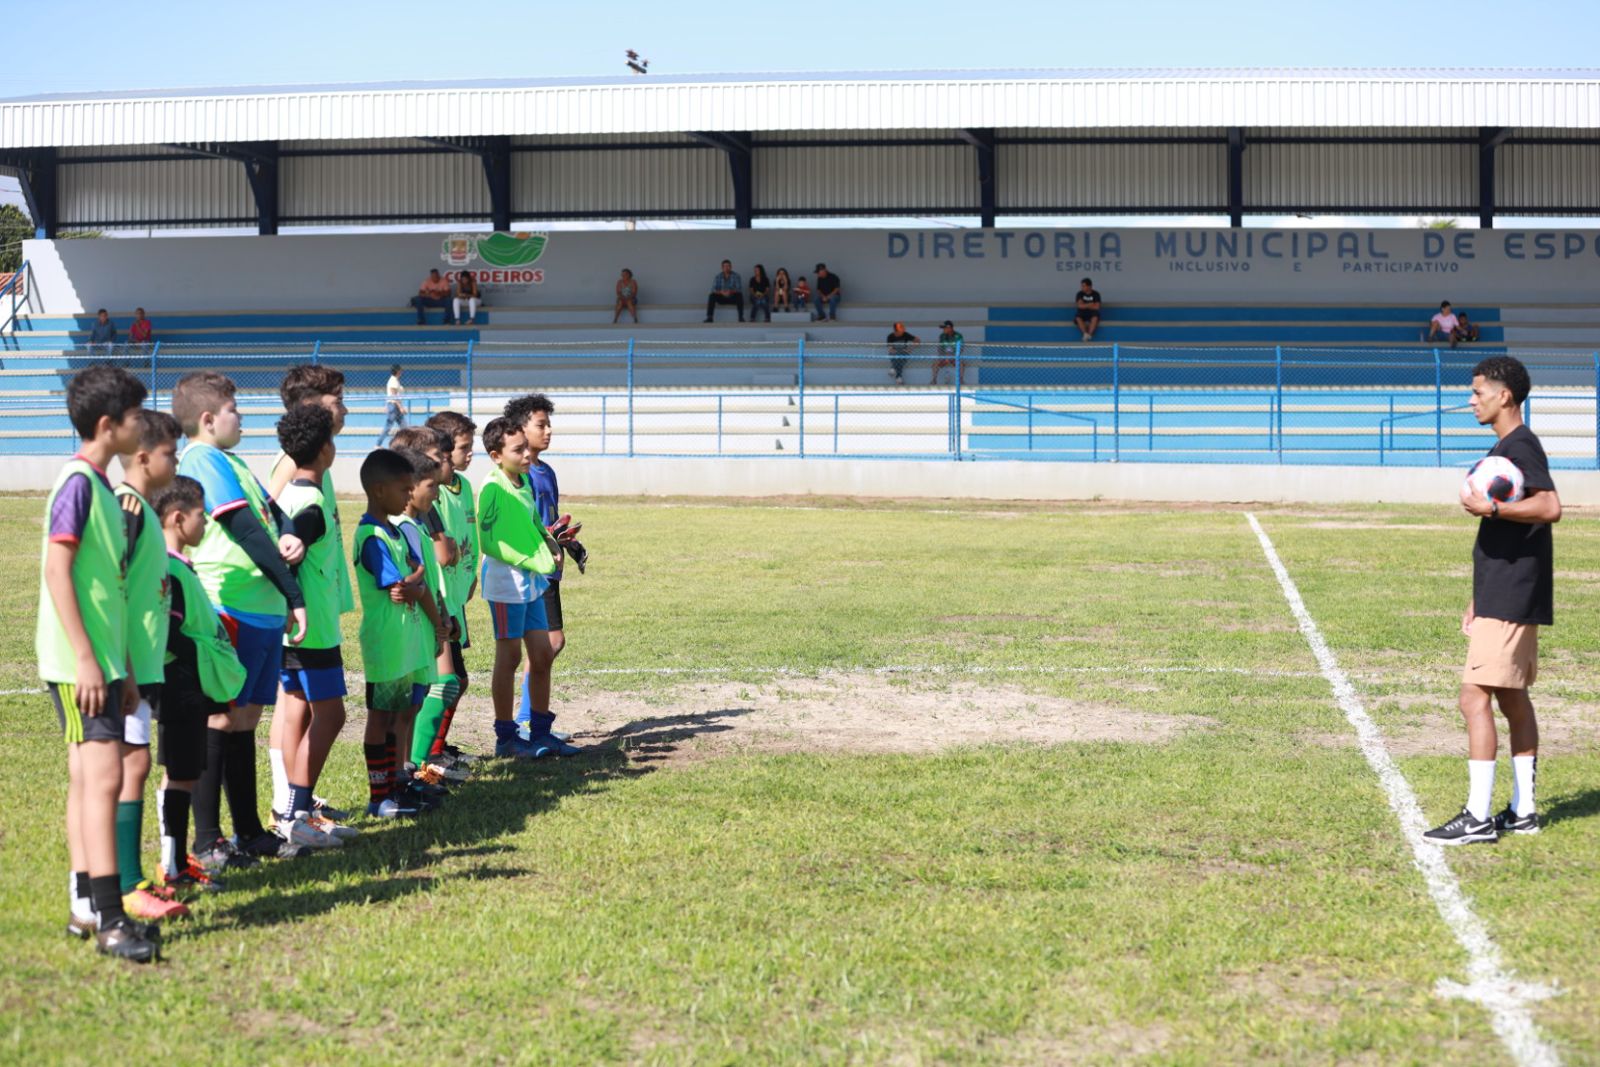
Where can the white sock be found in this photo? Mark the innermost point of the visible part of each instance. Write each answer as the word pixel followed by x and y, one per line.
pixel 1480 774
pixel 1524 769
pixel 280 781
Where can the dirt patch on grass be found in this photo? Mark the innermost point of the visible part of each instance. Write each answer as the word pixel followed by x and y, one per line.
pixel 851 713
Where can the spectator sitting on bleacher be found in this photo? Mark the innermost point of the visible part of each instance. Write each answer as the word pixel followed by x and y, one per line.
pixel 900 344
pixel 949 344
pixel 802 293
pixel 1447 324
pixel 760 293
pixel 780 290
pixel 627 296
pixel 140 331
pixel 726 288
pixel 827 293
pixel 103 337
pixel 433 293
pixel 467 292
pixel 1088 316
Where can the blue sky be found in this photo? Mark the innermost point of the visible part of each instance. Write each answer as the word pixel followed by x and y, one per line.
pixel 70 45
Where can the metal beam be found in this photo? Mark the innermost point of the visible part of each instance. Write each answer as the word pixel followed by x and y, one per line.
pixel 1235 176
pixel 1489 138
pixel 739 150
pixel 261 171
pixel 982 141
pixel 497 172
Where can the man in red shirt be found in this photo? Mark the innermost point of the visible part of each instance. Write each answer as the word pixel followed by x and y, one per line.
pixel 140 333
pixel 434 292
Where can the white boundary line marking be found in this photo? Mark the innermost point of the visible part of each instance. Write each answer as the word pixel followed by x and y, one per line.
pixel 1496 989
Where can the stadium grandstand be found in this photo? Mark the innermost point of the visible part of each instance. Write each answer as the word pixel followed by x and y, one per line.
pixel 1220 341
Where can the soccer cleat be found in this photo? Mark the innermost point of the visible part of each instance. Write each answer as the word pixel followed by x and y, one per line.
pixel 389 808
pixel 447 773
pixel 81 928
pixel 272 846
pixel 1464 829
pixel 194 877
pixel 328 811
pixel 1509 822
pixel 333 829
pixel 223 855
pixel 550 745
pixel 515 748
pixel 299 832
pixel 420 797
pixel 461 757
pixel 145 905
pixel 126 941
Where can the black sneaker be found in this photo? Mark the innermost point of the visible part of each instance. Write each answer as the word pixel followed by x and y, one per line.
pixel 1509 822
pixel 1464 829
pixel 272 846
pixel 409 796
pixel 126 941
pixel 221 856
pixel 328 811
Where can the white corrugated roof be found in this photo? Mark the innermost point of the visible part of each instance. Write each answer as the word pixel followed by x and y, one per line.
pixel 903 100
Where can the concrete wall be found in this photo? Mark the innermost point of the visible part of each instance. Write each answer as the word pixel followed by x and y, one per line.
pixel 923 479
pixel 912 266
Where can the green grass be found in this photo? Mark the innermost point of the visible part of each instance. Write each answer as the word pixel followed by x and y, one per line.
pixel 1238 893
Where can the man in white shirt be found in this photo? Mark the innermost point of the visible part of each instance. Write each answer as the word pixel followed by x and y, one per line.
pixel 394 416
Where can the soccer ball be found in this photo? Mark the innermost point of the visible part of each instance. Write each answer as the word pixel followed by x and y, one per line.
pixel 1495 477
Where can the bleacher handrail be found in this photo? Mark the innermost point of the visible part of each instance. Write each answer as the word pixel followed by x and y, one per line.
pixel 15 289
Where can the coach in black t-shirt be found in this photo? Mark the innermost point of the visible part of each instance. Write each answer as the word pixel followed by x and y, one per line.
pixel 1513 567
pixel 1088 304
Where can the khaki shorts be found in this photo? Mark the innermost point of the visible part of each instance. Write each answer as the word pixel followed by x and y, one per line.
pixel 1502 655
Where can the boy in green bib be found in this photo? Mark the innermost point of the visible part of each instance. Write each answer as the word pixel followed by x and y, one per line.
pixel 427 706
pixel 458 505
pixel 311 686
pixel 243 561
pixel 304 733
pixel 388 583
pixel 202 674
pixel 81 642
pixel 145 473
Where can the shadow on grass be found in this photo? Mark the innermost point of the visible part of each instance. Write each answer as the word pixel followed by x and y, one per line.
pixel 400 858
pixel 647 741
pixel 1576 806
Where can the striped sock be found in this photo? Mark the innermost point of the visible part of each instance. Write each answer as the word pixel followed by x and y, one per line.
pixel 377 772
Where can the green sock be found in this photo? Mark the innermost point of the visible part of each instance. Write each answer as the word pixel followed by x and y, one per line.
pixel 130 821
pixel 441 694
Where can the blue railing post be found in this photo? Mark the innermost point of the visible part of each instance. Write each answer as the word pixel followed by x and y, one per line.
pixel 1597 410
pixel 1438 410
pixel 1116 405
pixel 1277 401
pixel 603 399
pixel 800 387
pixel 1030 422
pixel 958 399
pixel 471 341
pixel 316 352
pixel 836 424
pixel 630 398
pixel 719 422
pixel 155 369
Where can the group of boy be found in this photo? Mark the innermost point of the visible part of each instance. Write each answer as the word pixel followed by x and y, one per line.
pixel 191 597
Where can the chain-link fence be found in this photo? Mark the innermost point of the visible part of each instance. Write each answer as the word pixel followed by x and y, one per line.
pixel 1357 405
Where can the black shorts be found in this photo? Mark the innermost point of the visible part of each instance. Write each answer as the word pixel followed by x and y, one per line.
pixel 458 663
pixel 78 727
pixel 181 732
pixel 552 607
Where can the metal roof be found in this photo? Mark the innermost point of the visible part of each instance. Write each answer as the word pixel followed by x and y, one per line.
pixel 910 100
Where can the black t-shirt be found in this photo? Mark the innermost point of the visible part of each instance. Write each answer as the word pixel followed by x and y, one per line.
pixel 760 286
pixel 900 343
pixel 827 286
pixel 1091 297
pixel 1513 563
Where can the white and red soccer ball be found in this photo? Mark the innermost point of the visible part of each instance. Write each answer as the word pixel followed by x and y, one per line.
pixel 1496 477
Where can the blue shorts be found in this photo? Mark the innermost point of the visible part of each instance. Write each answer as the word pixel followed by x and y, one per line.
pixel 260 650
pixel 313 674
pixel 511 621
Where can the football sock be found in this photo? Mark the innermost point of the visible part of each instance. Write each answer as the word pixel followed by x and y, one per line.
pixel 525 702
pixel 239 782
pixel 377 771
pixel 82 906
pixel 280 782
pixel 440 696
pixel 130 819
pixel 540 723
pixel 390 746
pixel 1524 769
pixel 443 735
pixel 299 801
pixel 207 799
pixel 504 729
pixel 174 816
pixel 1480 775
pixel 105 895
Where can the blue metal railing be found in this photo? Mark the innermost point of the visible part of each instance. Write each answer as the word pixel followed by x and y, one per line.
pixel 16 290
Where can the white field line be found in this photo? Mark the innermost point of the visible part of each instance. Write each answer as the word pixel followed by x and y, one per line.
pixel 1496 989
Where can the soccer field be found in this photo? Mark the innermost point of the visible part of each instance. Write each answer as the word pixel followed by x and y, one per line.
pixel 879 782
